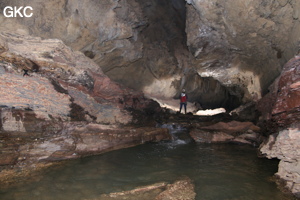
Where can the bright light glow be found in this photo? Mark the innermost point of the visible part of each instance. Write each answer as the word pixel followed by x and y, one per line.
pixel 173 105
pixel 210 112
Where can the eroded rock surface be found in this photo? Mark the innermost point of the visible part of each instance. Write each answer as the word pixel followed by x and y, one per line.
pixel 233 131
pixel 62 84
pixel 285 146
pixel 74 141
pixel 54 113
pixel 243 43
pixel 281 111
pixel 143 45
pixel 179 190
pixel 281 105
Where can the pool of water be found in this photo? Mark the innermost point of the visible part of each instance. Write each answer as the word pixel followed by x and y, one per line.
pixel 219 171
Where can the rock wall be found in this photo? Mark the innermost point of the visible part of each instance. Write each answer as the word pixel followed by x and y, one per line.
pixel 281 111
pixel 224 53
pixel 242 43
pixel 285 146
pixel 122 37
pixel 139 44
pixel 64 107
pixel 64 79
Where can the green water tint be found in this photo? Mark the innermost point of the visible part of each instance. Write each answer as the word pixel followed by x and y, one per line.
pixel 219 171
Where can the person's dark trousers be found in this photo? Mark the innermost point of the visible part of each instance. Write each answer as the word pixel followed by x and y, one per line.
pixel 182 104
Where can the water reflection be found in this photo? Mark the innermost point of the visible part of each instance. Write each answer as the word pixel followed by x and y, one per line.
pixel 218 171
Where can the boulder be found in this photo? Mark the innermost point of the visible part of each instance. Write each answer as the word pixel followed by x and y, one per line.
pixel 179 190
pixel 143 192
pixel 182 189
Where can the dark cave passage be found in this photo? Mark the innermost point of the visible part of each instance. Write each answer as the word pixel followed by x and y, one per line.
pixel 164 55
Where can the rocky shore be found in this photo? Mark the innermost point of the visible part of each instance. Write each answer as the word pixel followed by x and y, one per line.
pixel 63 107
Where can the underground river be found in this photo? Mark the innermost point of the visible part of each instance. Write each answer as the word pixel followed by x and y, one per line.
pixel 219 171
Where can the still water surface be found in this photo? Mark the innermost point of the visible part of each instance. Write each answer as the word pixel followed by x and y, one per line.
pixel 219 172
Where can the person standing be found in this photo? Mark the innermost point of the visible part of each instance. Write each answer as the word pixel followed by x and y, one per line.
pixel 183 100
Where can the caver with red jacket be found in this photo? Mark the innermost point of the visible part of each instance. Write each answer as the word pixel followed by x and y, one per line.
pixel 183 100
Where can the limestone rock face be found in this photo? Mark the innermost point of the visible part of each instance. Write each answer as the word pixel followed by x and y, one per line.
pixel 54 111
pixel 139 44
pixel 285 146
pixel 34 93
pixel 21 155
pixel 280 112
pixel 63 84
pixel 222 132
pixel 282 104
pixel 224 53
pixel 77 140
pixel 242 43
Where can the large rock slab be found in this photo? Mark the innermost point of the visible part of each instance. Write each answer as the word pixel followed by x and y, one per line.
pixel 79 140
pixel 22 155
pixel 183 189
pixel 233 131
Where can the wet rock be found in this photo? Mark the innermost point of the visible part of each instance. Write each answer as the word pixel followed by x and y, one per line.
pixel 180 190
pixel 233 131
pixel 93 139
pixel 285 146
pixel 146 192
pixel 75 140
pixel 232 127
pixel 208 137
